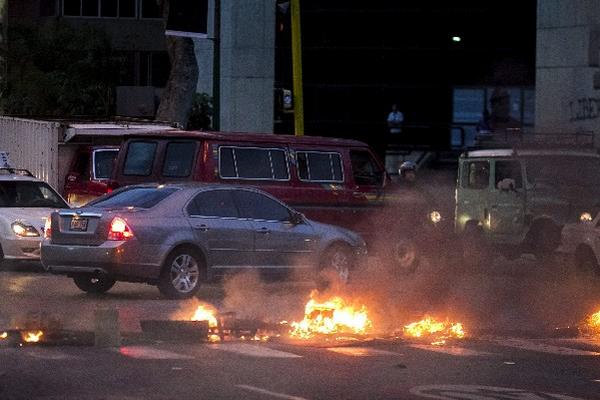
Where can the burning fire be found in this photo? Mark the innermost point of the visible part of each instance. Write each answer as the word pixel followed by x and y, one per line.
pixel 206 313
pixel 593 323
pixel 440 331
pixel 3 335
pixel 32 337
pixel 330 317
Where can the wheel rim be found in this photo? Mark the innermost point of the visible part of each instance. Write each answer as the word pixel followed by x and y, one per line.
pixel 184 273
pixel 340 263
pixel 404 254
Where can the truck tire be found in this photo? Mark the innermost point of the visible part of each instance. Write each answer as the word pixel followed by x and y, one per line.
pixel 94 284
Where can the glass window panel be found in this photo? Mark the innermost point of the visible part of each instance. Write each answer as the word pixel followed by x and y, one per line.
pixel 104 161
pixel 126 8
pixel 146 197
pixel 226 163
pixel 320 167
pixel 216 203
pixel 161 67
pixel 140 158
pixel 178 159
pixel 509 170
pixel 336 162
pixel 278 159
pixel 258 206
pixel 477 175
pixel 253 163
pixel 364 169
pixel 151 9
pixel 468 105
pixel 302 166
pixel 89 8
pixel 109 8
pixel 72 8
pixel 47 8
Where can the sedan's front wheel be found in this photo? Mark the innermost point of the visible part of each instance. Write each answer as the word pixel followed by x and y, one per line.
pixel 180 277
pixel 94 284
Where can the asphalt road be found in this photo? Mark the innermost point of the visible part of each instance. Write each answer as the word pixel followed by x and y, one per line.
pixel 509 311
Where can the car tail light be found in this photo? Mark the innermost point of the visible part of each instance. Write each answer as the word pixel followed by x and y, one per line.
pixel 119 230
pixel 48 228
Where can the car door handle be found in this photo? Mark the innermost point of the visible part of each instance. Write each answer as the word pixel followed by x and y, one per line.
pixel 264 231
pixel 203 228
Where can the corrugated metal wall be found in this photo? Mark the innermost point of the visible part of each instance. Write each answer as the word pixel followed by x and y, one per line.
pixel 32 145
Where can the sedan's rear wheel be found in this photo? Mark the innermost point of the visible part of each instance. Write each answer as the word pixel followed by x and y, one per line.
pixel 94 284
pixel 180 277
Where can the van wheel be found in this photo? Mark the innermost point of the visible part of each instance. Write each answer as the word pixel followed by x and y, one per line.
pixel 180 275
pixel 94 284
pixel 585 260
pixel 336 266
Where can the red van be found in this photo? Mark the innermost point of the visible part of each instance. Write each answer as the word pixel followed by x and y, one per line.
pixel 335 181
pixel 89 174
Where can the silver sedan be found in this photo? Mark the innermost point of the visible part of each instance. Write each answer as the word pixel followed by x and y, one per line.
pixel 178 236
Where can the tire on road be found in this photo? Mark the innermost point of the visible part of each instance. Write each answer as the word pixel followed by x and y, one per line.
pixel 94 284
pixel 181 274
pixel 335 266
pixel 403 255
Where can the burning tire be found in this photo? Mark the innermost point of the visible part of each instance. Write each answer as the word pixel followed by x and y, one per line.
pixel 94 284
pixel 180 276
pixel 336 264
pixel 404 255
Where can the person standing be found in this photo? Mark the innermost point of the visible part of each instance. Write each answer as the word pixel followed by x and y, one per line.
pixel 394 120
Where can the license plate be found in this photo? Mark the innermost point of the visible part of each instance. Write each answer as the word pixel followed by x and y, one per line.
pixel 79 224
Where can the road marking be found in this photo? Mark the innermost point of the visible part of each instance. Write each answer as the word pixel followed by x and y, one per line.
pixel 362 352
pixel 532 345
pixel 252 350
pixel 472 392
pixel 452 350
pixel 269 393
pixel 47 354
pixel 148 353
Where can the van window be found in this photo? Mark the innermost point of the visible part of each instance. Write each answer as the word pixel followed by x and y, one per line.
pixel 104 161
pixel 476 175
pixel 82 165
pixel 253 163
pixel 364 169
pixel 509 170
pixel 314 166
pixel 139 158
pixel 215 203
pixel 178 159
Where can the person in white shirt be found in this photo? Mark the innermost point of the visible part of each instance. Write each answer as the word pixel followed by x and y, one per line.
pixel 394 120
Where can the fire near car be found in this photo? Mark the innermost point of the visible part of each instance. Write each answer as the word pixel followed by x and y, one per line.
pixel 25 204
pixel 177 236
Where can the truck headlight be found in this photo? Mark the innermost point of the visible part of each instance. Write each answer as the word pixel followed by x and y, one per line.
pixel 24 230
pixel 435 217
pixel 585 217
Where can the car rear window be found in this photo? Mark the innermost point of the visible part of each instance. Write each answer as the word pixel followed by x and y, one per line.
pixel 140 158
pixel 144 197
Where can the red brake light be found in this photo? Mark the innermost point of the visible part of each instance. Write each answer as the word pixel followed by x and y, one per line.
pixel 119 230
pixel 48 228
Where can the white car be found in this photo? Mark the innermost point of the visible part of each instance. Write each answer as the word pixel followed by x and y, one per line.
pixel 25 204
pixel 582 240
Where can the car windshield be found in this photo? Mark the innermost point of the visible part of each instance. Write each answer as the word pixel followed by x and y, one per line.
pixel 563 170
pixel 29 194
pixel 144 197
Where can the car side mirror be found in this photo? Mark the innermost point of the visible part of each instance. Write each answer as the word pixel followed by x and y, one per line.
pixel 296 218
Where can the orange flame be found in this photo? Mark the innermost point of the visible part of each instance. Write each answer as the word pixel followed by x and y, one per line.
pixel 440 331
pixel 330 317
pixel 206 312
pixel 32 337
pixel 593 323
pixel 3 335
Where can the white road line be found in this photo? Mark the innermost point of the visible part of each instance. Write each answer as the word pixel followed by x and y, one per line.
pixel 252 350
pixel 269 393
pixel 362 352
pixel 149 353
pixel 48 354
pixel 533 345
pixel 452 350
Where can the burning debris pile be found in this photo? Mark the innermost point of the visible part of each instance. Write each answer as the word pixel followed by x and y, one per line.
pixel 330 317
pixel 20 337
pixel 592 325
pixel 436 331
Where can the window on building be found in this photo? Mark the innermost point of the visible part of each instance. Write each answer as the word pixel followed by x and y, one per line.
pixel 72 8
pixel 154 68
pixel 48 8
pixel 109 8
pixel 253 163
pixel 150 9
pixel 126 8
pixel 178 159
pixel 89 8
pixel 100 8
pixel 319 166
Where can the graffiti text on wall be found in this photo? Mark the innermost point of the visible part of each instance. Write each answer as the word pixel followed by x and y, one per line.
pixel 584 109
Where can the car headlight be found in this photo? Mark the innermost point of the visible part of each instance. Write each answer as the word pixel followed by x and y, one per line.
pixel 586 217
pixel 435 217
pixel 24 230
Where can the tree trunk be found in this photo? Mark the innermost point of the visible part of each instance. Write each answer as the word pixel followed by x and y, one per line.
pixel 178 96
pixel 3 51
